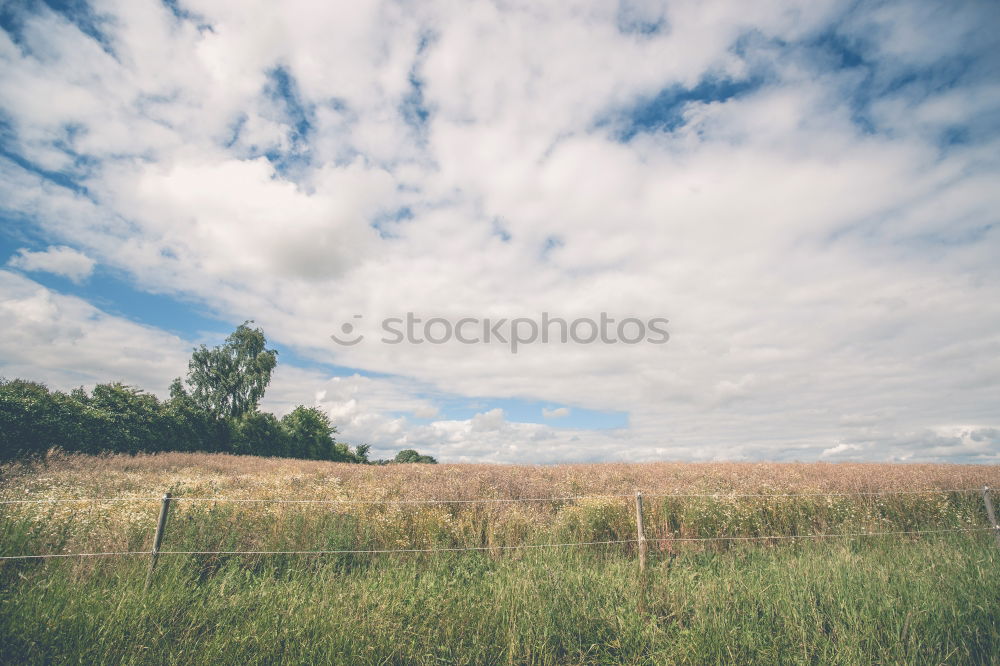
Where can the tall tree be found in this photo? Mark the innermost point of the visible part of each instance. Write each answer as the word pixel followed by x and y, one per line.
pixel 229 380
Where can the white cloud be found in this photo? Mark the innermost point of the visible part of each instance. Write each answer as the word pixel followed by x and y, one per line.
pixel 555 413
pixel 66 342
pixel 489 421
pixel 839 449
pixel 60 260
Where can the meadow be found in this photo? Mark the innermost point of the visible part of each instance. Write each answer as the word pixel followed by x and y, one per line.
pixel 921 587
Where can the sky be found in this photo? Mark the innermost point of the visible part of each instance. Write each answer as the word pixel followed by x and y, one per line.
pixel 801 190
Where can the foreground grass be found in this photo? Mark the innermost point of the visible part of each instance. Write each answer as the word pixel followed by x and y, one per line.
pixel 933 599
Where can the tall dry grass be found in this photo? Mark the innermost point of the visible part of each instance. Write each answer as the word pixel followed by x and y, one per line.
pixel 66 475
pixel 604 512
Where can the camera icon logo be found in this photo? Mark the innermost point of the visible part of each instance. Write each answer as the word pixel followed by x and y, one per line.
pixel 347 328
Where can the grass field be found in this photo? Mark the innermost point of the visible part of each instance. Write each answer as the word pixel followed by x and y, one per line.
pixel 926 598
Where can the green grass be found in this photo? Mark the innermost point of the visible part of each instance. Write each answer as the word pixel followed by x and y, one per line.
pixel 932 599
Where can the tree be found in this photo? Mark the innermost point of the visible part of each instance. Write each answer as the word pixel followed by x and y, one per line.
pixel 191 428
pixel 411 456
pixel 127 419
pixel 310 434
pixel 229 380
pixel 114 417
pixel 259 434
pixel 30 421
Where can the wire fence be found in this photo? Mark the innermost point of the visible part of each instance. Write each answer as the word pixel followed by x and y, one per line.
pixel 641 540
pixel 502 548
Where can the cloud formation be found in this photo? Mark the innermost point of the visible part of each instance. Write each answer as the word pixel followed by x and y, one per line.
pixel 60 260
pixel 805 190
pixel 67 342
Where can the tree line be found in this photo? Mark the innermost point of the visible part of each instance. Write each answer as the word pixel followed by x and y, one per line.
pixel 214 410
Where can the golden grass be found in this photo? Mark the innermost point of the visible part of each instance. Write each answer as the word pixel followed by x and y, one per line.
pixel 216 474
pixel 59 527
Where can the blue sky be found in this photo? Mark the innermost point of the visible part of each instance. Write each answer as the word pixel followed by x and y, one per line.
pixel 804 190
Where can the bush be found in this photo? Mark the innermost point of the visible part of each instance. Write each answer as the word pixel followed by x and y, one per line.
pixel 411 456
pixel 31 421
pixel 259 433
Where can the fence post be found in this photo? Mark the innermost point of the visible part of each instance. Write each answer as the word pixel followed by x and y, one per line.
pixel 640 532
pixel 988 501
pixel 641 540
pixel 161 527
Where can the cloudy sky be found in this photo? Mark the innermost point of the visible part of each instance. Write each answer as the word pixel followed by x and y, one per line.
pixel 803 189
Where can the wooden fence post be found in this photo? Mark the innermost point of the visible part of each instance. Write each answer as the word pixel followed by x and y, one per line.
pixel 161 527
pixel 641 540
pixel 640 532
pixel 988 501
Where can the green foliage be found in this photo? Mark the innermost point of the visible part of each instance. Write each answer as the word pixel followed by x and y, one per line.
pixel 258 433
pixel 309 434
pixel 128 420
pixel 411 456
pixel 123 419
pixel 218 415
pixel 31 420
pixel 188 427
pixel 230 380
pixel 112 418
pixel 361 452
